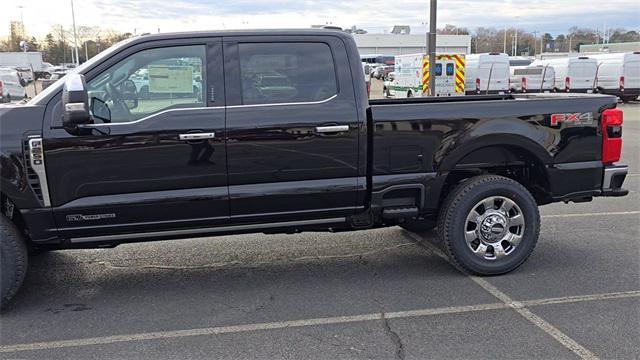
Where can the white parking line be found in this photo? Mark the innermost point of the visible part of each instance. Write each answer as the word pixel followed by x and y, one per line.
pixel 520 308
pixel 621 213
pixel 246 328
pixel 506 303
pixel 541 323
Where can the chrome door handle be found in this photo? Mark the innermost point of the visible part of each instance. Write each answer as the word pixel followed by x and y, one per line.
pixel 332 129
pixel 196 136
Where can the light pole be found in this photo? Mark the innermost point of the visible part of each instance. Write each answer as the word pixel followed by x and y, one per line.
pixel 75 34
pixel 433 20
pixel 505 39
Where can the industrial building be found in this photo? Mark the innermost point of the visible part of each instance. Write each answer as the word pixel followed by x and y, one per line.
pixel 400 44
pixel 610 48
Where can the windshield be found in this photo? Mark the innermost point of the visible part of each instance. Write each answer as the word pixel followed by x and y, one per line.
pixel 80 69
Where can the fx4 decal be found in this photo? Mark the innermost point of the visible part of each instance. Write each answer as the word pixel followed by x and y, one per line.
pixel 575 118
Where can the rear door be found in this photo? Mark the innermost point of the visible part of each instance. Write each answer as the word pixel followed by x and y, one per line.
pixel 582 74
pixel 632 73
pixel 292 128
pixel 157 161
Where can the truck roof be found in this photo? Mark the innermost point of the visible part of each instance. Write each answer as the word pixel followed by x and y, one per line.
pixel 260 32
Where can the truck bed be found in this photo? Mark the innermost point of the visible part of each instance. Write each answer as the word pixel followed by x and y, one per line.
pixel 439 135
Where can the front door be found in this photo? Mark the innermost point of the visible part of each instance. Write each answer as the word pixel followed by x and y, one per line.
pixel 154 159
pixel 293 129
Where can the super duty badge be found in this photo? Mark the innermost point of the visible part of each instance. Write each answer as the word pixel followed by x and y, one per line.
pixel 80 217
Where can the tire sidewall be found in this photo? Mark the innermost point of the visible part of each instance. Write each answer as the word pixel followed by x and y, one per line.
pixel 459 214
pixel 13 260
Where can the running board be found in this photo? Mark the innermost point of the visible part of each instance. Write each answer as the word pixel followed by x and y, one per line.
pixel 200 231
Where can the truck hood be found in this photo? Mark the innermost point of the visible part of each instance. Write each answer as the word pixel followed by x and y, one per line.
pixel 17 119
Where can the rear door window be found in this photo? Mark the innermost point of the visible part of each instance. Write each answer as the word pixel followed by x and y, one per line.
pixel 450 69
pixel 438 69
pixel 275 73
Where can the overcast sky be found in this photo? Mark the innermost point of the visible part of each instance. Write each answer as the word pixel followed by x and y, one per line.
pixel 554 16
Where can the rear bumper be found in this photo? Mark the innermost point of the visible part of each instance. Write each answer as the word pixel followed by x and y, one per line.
pixel 612 180
pixel 582 181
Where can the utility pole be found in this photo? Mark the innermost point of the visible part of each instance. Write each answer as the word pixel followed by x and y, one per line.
pixel 75 34
pixel 64 50
pixel 535 41
pixel 433 21
pixel 570 43
pixel 505 39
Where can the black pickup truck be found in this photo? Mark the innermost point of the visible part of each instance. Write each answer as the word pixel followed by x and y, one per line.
pixel 195 134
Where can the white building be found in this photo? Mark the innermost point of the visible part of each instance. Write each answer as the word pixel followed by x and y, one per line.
pixel 396 44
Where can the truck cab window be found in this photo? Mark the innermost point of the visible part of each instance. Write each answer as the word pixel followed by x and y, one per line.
pixel 151 81
pixel 273 73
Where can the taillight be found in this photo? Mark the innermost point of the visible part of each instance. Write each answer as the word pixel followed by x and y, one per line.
pixel 478 85
pixel 524 84
pixel 611 135
pixel 567 84
pixel 368 89
pixel 1 88
pixel 621 83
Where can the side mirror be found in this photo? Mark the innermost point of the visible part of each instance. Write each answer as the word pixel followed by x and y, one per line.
pixel 75 102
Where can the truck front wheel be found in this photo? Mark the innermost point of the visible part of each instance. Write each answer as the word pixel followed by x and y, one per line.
pixel 489 225
pixel 13 260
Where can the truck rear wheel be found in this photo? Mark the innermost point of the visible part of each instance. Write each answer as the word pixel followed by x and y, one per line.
pixel 489 225
pixel 13 260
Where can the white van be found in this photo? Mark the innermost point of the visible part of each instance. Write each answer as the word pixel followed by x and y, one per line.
pixel 619 75
pixel 487 74
pixel 528 79
pixel 576 74
pixel 11 85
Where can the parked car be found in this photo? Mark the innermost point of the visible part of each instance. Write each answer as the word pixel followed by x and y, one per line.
pixel 576 74
pixel 487 74
pixel 529 79
pixel 11 86
pixel 55 76
pixel 619 75
pixel 83 167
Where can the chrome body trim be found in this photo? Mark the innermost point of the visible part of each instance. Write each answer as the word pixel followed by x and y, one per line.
pixel 205 230
pixel 284 104
pixel 610 173
pixel 332 129
pixel 196 136
pixel 36 161
pixel 89 126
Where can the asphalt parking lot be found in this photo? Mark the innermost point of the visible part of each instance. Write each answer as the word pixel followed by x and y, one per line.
pixel 382 294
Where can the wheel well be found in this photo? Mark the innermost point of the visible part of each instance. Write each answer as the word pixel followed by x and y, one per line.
pixel 509 161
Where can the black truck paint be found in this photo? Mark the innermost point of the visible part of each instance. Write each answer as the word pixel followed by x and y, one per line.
pixel 269 168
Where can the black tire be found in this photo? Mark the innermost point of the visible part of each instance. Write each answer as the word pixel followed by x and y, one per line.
pixel 419 226
pixel 13 260
pixel 453 223
pixel 409 94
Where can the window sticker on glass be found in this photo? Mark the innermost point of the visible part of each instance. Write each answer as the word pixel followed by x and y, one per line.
pixel 449 69
pixel 170 79
pixel 438 69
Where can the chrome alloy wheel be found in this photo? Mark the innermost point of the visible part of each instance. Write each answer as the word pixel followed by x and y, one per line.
pixel 494 228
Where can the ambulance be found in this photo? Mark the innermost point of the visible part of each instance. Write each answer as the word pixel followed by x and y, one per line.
pixel 412 76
